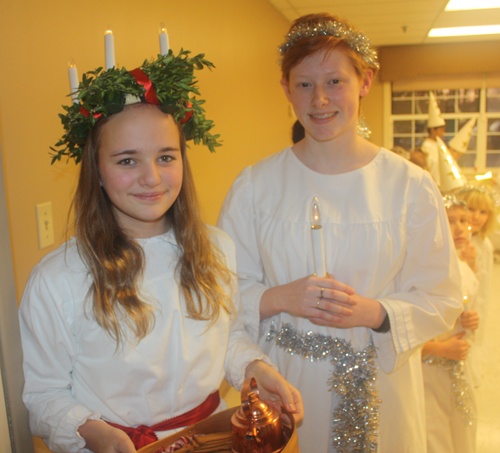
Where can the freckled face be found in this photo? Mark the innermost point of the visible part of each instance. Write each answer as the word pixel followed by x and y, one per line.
pixel 459 224
pixel 140 166
pixel 325 93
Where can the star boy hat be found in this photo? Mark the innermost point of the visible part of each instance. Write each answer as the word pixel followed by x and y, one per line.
pixel 435 119
pixel 460 142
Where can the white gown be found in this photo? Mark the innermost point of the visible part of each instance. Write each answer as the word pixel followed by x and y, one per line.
pixel 450 403
pixel 431 150
pixel 386 234
pixel 73 371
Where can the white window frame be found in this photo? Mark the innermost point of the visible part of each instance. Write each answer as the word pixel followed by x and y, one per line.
pixel 482 124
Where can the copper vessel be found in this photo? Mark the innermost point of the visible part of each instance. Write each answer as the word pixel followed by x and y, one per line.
pixel 256 426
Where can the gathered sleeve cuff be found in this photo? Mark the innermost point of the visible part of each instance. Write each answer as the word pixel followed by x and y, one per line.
pixel 428 297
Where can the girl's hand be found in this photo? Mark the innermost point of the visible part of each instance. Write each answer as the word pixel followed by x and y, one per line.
pixel 273 385
pixel 323 300
pixel 454 347
pixel 468 254
pixel 470 320
pixel 365 313
pixel 103 438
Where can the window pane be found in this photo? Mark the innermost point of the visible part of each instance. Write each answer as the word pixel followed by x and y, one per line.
pixel 401 94
pixel 467 160
pixel 493 142
pixel 493 100
pixel 419 141
pixel 402 127
pixel 422 106
pixel 493 160
pixel 494 125
pixel 401 107
pixel 404 142
pixel 420 126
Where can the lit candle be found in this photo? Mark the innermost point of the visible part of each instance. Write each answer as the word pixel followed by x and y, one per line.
pixel 317 239
pixel 163 40
pixel 73 79
pixel 109 49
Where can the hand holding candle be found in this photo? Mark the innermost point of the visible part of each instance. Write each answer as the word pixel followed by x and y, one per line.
pixel 73 80
pixel 317 239
pixel 163 40
pixel 109 49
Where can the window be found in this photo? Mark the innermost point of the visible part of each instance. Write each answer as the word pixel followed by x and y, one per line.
pixel 409 111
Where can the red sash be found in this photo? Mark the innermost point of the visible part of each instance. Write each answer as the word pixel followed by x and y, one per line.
pixel 145 435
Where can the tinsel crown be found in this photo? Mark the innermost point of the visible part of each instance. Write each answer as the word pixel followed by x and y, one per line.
pixel 450 201
pixel 166 81
pixel 354 38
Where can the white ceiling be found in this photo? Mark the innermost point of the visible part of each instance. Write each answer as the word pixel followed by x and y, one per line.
pixel 395 22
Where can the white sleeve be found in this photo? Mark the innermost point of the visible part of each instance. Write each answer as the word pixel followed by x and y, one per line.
pixel 242 350
pixel 428 298
pixel 49 351
pixel 237 218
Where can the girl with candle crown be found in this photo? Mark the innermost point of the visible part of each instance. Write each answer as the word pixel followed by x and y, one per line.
pixel 348 341
pixel 135 321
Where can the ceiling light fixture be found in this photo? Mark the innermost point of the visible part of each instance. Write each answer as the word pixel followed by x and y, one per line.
pixel 465 31
pixel 457 5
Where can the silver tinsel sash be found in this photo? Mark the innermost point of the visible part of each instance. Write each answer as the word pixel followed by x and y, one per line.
pixel 354 379
pixel 459 384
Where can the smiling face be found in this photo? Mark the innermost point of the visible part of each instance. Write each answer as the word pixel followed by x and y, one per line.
pixel 140 167
pixel 459 224
pixel 478 215
pixel 325 91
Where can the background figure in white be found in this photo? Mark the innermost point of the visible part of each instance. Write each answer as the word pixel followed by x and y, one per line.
pixel 481 203
pixel 449 390
pixel 430 147
pixel 392 268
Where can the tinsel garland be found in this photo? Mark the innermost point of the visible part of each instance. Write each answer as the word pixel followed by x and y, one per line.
pixel 354 38
pixel 354 379
pixel 459 384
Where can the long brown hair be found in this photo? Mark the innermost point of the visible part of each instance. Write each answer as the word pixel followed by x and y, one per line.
pixel 115 261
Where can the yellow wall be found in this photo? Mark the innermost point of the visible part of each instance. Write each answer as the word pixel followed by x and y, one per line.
pixel 37 39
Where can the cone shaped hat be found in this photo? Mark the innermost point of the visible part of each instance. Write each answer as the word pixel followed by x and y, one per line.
pixel 449 172
pixel 435 119
pixel 461 141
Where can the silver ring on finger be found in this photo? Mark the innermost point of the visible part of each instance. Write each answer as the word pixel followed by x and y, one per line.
pixel 317 303
pixel 321 294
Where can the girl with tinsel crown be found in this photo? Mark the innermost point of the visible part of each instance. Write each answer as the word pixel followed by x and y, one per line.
pixel 449 391
pixel 349 340
pixel 481 203
pixel 129 328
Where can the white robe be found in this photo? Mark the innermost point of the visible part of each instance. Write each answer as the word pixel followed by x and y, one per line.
pixel 386 234
pixel 431 150
pixel 74 373
pixel 449 429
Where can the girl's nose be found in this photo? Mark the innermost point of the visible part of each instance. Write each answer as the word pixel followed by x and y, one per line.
pixel 320 97
pixel 150 176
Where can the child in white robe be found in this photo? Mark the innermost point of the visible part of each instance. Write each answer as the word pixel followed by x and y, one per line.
pixel 449 391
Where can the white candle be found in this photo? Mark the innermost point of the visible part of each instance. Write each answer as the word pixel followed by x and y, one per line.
pixel 73 79
pixel 317 239
pixel 163 40
pixel 109 49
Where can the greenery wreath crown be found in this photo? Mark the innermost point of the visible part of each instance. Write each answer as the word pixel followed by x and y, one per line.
pixel 167 81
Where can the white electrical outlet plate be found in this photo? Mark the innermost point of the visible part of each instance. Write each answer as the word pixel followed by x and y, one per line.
pixel 45 225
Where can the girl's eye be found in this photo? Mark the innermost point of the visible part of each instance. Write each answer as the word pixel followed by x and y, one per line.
pixel 304 85
pixel 125 162
pixel 166 158
pixel 334 81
